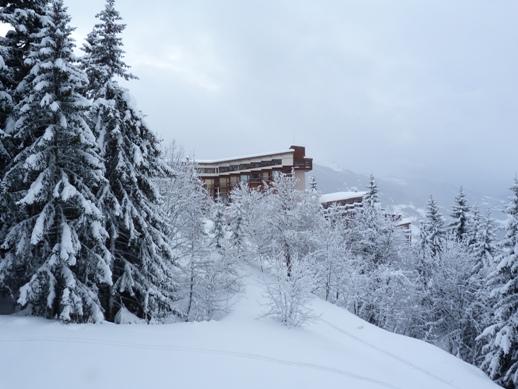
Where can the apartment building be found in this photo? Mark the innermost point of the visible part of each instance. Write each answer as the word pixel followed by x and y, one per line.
pixel 256 171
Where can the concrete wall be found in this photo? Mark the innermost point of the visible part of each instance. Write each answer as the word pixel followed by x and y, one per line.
pixel 301 179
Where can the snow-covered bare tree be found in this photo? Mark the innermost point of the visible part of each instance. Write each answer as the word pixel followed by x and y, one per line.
pixel 289 295
pixel 143 268
pixel 208 276
pixel 500 338
pixel 284 235
pixel 454 309
pixel 55 259
pixel 331 256
pixel 243 213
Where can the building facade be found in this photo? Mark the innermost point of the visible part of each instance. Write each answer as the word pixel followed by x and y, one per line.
pixel 345 204
pixel 221 176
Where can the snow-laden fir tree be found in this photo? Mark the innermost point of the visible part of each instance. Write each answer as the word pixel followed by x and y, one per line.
pixel 481 240
pixel 371 198
pixel 500 339
pixel 433 233
pixel 55 259
pixel 104 54
pixel 313 185
pixel 218 227
pixel 377 245
pixel 459 226
pixel 23 18
pixel 143 271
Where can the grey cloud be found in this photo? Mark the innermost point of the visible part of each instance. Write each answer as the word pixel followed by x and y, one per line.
pixel 396 88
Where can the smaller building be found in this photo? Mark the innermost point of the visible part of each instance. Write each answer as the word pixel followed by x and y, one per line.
pixel 221 176
pixel 348 200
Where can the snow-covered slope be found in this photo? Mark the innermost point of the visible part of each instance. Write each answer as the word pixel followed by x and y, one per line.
pixel 337 350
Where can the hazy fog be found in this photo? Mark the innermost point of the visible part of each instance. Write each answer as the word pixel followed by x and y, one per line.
pixel 398 88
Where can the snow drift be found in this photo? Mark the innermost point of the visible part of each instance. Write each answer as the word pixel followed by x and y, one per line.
pixel 245 350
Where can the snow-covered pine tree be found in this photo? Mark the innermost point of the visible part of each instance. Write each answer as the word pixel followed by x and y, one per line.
pixel 5 109
pixel 373 234
pixel 23 18
pixel 432 241
pixel 500 339
pixel 313 185
pixel 474 228
pixel 459 227
pixel 143 269
pixel 481 240
pixel 433 234
pixel 218 228
pixel 104 54
pixel 372 196
pixel 55 254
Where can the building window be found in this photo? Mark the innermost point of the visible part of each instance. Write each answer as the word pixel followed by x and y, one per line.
pixel 209 183
pixel 244 178
pixel 224 182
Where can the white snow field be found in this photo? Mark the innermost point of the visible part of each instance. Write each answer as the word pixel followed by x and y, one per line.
pixel 243 351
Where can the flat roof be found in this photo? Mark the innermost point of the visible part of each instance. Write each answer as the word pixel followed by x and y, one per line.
pixel 245 157
pixel 341 196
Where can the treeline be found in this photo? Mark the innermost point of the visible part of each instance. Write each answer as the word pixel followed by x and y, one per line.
pixel 96 223
pixel 83 238
pixel 455 285
pixel 85 235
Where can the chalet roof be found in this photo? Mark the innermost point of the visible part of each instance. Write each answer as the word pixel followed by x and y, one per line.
pixel 341 196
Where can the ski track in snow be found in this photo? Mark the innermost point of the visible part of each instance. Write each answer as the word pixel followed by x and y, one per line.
pixel 388 353
pixel 208 351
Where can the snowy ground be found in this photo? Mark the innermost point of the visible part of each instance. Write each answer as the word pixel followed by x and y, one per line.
pixel 243 351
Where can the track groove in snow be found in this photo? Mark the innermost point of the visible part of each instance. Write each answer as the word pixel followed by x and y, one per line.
pixel 388 353
pixel 243 350
pixel 234 354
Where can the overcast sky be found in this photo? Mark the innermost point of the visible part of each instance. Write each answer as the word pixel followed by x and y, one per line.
pixel 397 88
